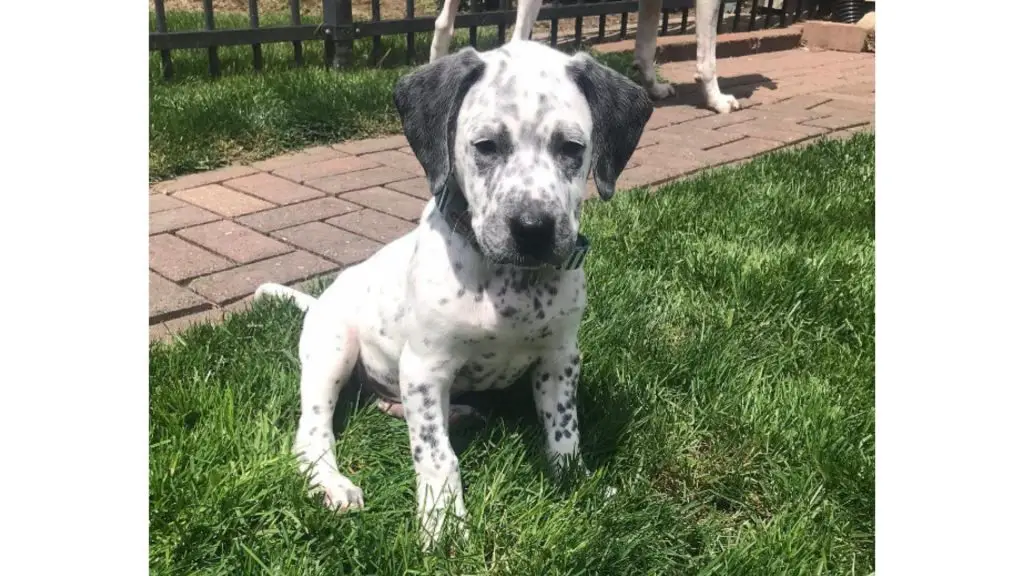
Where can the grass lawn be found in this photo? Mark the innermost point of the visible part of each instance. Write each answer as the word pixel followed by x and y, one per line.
pixel 728 392
pixel 198 123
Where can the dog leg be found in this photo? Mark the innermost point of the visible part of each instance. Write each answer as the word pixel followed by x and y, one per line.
pixel 554 394
pixel 526 17
pixel 706 76
pixel 646 45
pixel 444 27
pixel 426 380
pixel 328 352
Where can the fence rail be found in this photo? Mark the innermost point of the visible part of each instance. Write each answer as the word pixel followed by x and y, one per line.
pixel 339 30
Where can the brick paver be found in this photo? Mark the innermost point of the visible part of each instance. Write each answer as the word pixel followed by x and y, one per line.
pixel 178 260
pixel 215 236
pixel 223 201
pixel 234 241
pixel 333 243
pixel 270 220
pixel 273 188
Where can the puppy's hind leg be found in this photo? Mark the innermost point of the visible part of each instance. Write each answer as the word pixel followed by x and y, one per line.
pixel 328 350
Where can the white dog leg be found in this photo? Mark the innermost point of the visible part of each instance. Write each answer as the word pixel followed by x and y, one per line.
pixel 444 28
pixel 328 352
pixel 526 17
pixel 555 381
pixel 706 76
pixel 646 45
pixel 426 383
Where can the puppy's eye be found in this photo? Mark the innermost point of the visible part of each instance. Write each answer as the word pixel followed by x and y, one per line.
pixel 570 148
pixel 486 147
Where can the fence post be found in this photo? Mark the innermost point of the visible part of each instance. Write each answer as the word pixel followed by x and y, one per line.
pixel 339 31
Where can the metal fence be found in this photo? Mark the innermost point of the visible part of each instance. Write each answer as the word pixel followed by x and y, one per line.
pixel 339 30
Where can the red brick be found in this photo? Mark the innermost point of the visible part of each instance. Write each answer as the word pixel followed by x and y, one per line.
pixel 221 200
pixel 175 218
pixel 178 260
pixel 168 329
pixel 234 241
pixel 843 119
pixel 694 137
pixel 669 115
pixel 203 178
pixel 741 149
pixel 372 145
pixel 333 243
pixel 359 180
pixel 167 299
pixel 373 224
pixel 273 189
pixel 270 220
pixel 643 175
pixel 786 132
pixel 849 102
pixel 307 156
pixel 719 120
pixel 839 36
pixel 417 187
pixel 162 202
pixel 304 173
pixel 232 284
pixel 801 102
pixel 671 157
pixel 859 89
pixel 396 159
pixel 388 201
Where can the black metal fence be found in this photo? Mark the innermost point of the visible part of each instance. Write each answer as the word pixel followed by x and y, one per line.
pixel 339 30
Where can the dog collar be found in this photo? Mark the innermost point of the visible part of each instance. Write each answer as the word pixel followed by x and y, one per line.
pixel 455 210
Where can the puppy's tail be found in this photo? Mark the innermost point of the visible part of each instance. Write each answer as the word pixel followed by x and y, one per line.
pixel 302 301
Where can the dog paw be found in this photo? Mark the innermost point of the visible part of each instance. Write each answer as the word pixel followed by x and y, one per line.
pixel 434 523
pixel 660 90
pixel 725 104
pixel 341 496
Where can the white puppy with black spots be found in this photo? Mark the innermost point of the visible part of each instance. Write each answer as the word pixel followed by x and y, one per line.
pixel 648 17
pixel 488 288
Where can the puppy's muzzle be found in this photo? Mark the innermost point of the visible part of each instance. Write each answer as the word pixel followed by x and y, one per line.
pixel 533 233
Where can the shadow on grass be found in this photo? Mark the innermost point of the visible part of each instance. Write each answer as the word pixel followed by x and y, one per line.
pixel 512 411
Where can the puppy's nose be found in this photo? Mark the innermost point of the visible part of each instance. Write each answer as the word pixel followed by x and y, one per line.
pixel 533 232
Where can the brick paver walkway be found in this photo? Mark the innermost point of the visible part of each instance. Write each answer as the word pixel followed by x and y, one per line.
pixel 215 236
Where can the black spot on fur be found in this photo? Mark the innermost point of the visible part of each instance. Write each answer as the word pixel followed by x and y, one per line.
pixel 568 371
pixel 508 311
pixel 558 435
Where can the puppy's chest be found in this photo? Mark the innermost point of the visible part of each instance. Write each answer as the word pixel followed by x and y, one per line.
pixel 515 307
pixel 506 324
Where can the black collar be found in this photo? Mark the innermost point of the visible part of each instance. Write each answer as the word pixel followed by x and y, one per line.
pixel 454 209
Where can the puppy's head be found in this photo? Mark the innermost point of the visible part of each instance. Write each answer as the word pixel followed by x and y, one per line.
pixel 519 129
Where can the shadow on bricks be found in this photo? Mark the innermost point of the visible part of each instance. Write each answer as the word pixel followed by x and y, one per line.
pixel 742 86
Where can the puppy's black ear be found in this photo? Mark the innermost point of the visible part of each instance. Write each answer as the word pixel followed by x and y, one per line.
pixel 620 109
pixel 428 101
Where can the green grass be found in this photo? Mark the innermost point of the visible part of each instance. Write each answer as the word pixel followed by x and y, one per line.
pixel 199 123
pixel 728 383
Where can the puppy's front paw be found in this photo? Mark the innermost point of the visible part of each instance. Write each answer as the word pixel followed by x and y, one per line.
pixel 340 495
pixel 433 522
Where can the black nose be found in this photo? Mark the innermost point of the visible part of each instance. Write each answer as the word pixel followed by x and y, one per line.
pixel 533 232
